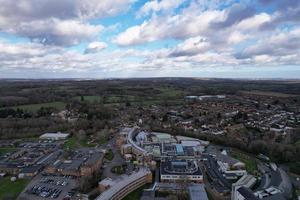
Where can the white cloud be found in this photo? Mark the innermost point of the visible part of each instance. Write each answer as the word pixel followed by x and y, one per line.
pixel 19 51
pixel 165 27
pixel 236 37
pixel 95 47
pixel 95 8
pixel 263 59
pixel 278 44
pixel 57 22
pixel 159 5
pixel 191 46
pixel 27 10
pixel 57 32
pixel 253 23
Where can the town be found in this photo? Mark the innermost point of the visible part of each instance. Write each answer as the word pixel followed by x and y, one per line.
pixel 199 147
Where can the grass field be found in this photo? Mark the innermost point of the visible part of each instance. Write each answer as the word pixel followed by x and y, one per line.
pixel 135 194
pixel 34 107
pixel 11 190
pixel 251 165
pixel 158 102
pixel 108 99
pixel 90 99
pixel 170 92
pixel 294 167
pixel 269 94
pixel 73 143
pixel 167 93
pixel 109 155
pixel 6 150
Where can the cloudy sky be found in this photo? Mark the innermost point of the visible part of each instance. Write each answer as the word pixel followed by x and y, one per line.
pixel 139 38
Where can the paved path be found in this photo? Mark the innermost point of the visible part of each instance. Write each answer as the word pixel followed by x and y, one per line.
pixel 265 178
pixel 117 161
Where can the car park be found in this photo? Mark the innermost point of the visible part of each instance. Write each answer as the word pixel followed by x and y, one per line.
pixel 44 191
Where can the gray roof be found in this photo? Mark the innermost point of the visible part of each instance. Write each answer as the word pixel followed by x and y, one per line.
pixel 74 165
pixel 94 158
pixel 31 169
pixel 184 167
pixel 126 180
pixel 197 191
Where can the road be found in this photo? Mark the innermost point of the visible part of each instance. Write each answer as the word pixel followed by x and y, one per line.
pixel 265 178
pixel 117 160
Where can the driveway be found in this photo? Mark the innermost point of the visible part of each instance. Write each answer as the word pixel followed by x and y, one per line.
pixel 117 161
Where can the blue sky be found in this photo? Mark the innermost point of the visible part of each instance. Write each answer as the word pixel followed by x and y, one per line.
pixel 139 38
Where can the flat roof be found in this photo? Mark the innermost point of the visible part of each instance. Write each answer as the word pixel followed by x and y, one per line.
pixel 54 135
pixel 31 169
pixel 247 180
pixel 120 184
pixel 107 182
pixel 74 165
pixel 191 143
pixel 197 191
pixel 182 167
pixel 179 148
pixel 94 158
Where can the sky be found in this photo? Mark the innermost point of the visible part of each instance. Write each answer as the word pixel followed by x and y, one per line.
pixel 157 38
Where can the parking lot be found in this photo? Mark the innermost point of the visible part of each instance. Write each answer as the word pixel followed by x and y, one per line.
pixel 49 187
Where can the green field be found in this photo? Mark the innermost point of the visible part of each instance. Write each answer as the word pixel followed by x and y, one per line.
pixel 108 99
pixel 158 102
pixel 6 150
pixel 119 100
pixel 172 95
pixel 90 99
pixel 135 194
pixel 109 155
pixel 268 93
pixel 34 107
pixel 73 143
pixel 251 164
pixel 11 190
pixel 294 167
pixel 170 92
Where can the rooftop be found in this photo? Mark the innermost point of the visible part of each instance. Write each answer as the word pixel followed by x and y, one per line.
pixel 122 182
pixel 186 167
pixel 94 158
pixel 197 191
pixel 54 135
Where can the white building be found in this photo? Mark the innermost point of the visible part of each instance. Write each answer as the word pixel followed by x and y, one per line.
pixel 229 172
pixel 246 181
pixel 180 170
pixel 54 136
